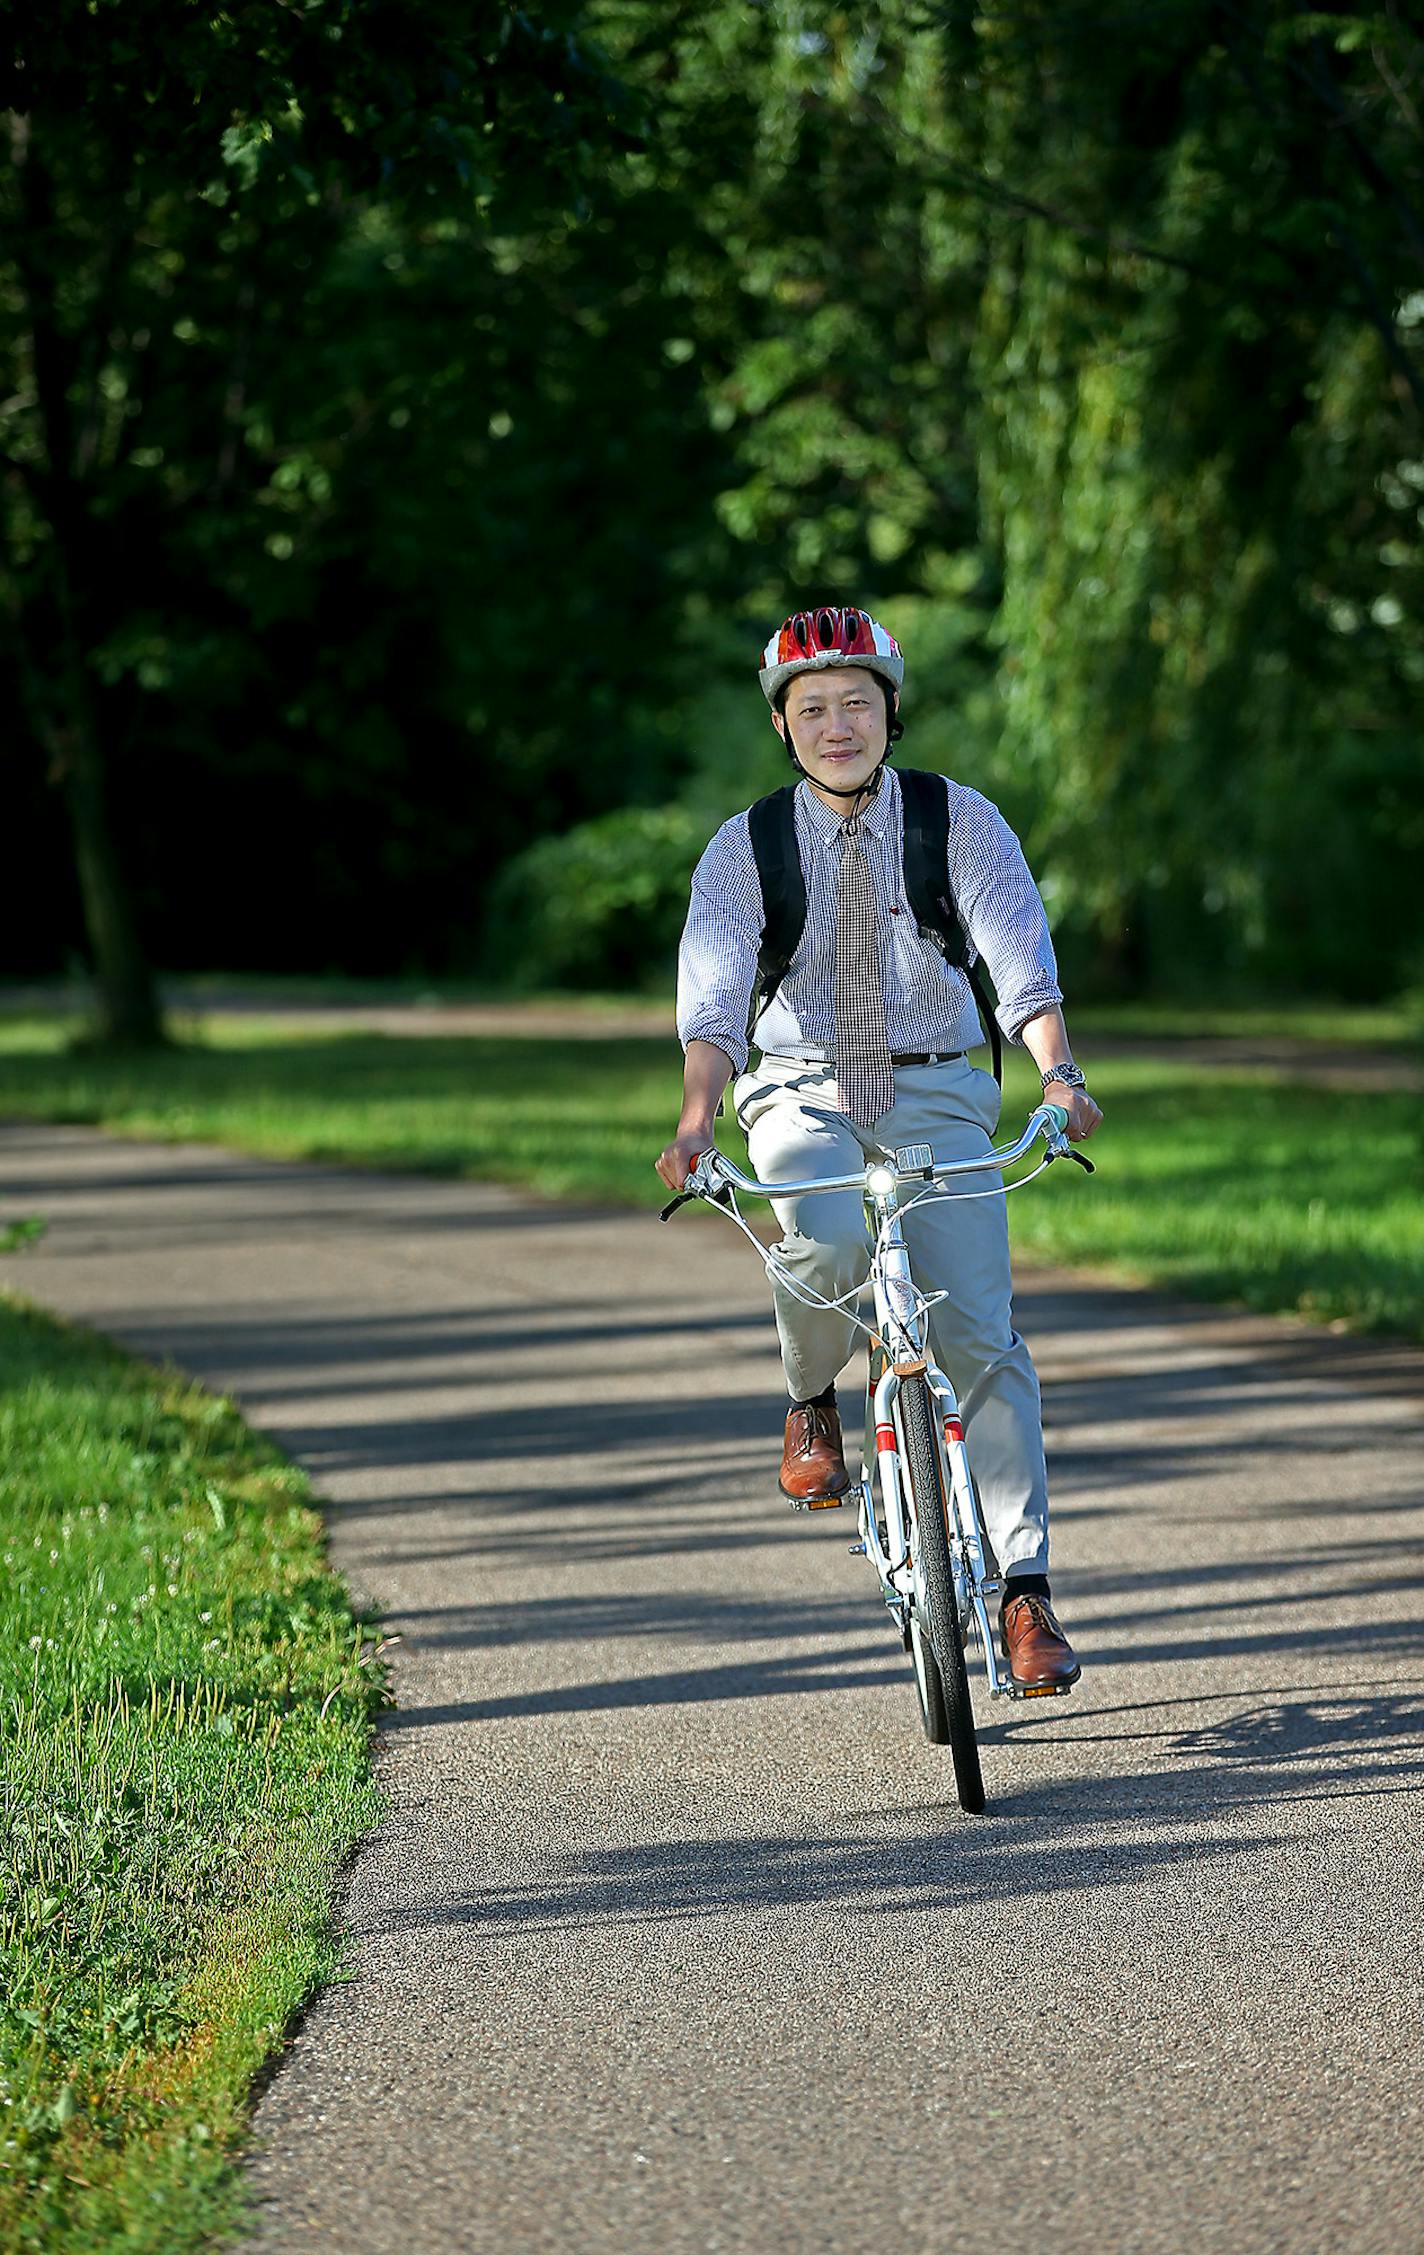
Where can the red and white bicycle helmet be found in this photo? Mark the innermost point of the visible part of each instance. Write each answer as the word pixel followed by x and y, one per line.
pixel 830 635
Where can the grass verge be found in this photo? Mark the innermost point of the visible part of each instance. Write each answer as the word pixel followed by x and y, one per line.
pixel 185 1713
pixel 1287 1198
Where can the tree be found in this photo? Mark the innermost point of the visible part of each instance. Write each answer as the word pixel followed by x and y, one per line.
pixel 1106 331
pixel 183 183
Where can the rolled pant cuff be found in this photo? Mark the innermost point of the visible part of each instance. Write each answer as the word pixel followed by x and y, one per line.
pixel 1027 1557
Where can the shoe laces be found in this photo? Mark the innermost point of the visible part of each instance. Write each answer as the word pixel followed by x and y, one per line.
pixel 1040 1612
pixel 821 1424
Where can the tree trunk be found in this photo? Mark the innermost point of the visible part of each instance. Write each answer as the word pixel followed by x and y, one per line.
pixel 127 1012
pixel 58 688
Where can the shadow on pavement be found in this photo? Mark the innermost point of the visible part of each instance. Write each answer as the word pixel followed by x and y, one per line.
pixel 843 1670
pixel 1291 1724
pixel 1032 1843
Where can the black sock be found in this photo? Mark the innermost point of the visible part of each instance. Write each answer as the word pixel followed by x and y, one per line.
pixel 1024 1585
pixel 826 1399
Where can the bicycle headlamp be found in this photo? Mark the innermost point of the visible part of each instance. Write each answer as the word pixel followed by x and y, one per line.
pixel 880 1180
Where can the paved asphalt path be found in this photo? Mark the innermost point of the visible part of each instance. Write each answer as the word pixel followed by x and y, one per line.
pixel 675 1938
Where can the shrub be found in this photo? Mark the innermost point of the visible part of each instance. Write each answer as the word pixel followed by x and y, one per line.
pixel 600 906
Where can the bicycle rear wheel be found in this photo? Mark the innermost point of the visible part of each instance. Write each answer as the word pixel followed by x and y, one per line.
pixel 925 1468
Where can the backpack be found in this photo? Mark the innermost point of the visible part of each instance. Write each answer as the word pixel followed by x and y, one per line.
pixel 772 822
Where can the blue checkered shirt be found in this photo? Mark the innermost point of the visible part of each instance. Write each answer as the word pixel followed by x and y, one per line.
pixel 928 1003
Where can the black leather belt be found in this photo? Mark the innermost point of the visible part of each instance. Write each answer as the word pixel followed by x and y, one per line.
pixel 828 1064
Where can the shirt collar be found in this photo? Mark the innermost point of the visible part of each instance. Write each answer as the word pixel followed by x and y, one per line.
pixel 879 817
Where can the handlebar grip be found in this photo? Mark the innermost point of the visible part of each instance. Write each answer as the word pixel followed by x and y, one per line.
pixel 684 1197
pixel 1059 1116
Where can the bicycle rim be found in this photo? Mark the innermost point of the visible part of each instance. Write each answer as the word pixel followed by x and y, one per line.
pixel 925 1467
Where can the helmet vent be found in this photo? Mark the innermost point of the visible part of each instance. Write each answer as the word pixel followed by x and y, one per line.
pixel 831 634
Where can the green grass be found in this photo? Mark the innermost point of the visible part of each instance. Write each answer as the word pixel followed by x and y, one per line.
pixel 1287 1199
pixel 185 1714
pixel 1333 1025
pixel 1284 1197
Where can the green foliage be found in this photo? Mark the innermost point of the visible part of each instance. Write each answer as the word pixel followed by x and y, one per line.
pixel 15 1235
pixel 599 906
pixel 1189 437
pixel 415 429
pixel 186 1702
pixel 326 389
pixel 1124 377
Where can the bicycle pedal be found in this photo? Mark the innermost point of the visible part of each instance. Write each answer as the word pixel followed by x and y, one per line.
pixel 1041 1690
pixel 816 1503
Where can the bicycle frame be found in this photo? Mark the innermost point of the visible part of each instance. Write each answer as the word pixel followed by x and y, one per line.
pixel 902 1312
pixel 902 1323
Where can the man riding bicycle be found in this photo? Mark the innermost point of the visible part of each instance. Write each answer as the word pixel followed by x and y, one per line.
pixel 863 1037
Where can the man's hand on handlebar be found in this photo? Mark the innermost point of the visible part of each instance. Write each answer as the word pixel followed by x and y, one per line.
pixel 676 1162
pixel 1083 1113
pixel 706 1073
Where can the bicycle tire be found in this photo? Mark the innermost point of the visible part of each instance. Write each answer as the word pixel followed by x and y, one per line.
pixel 924 1466
pixel 929 1685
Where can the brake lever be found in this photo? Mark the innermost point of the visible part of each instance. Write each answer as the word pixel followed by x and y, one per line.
pixel 720 1194
pixel 1065 1151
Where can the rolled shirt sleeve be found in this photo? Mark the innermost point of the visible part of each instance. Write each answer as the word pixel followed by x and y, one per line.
pixel 717 958
pixel 1000 908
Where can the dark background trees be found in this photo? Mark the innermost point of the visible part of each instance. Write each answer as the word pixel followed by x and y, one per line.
pixel 416 417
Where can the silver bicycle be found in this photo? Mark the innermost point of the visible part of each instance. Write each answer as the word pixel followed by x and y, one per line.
pixel 920 1524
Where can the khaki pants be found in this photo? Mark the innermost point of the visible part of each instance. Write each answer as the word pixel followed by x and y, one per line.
pixel 957 1243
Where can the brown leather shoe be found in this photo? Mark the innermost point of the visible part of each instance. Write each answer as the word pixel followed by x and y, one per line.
pixel 1039 1655
pixel 813 1468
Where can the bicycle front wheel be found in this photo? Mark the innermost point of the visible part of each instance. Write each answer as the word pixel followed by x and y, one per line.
pixel 925 1468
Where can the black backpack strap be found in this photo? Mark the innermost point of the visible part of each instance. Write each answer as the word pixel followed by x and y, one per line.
pixel 985 1006
pixel 772 824
pixel 925 801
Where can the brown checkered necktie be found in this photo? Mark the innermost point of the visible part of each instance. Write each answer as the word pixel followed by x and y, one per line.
pixel 865 1081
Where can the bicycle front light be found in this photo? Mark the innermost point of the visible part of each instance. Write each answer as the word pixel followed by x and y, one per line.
pixel 880 1180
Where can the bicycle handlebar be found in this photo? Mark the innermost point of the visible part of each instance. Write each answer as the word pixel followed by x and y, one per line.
pixel 712 1174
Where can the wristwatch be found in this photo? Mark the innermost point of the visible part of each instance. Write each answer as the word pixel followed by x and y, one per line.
pixel 1071 1075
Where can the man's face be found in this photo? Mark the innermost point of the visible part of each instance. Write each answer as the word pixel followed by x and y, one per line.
pixel 837 724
